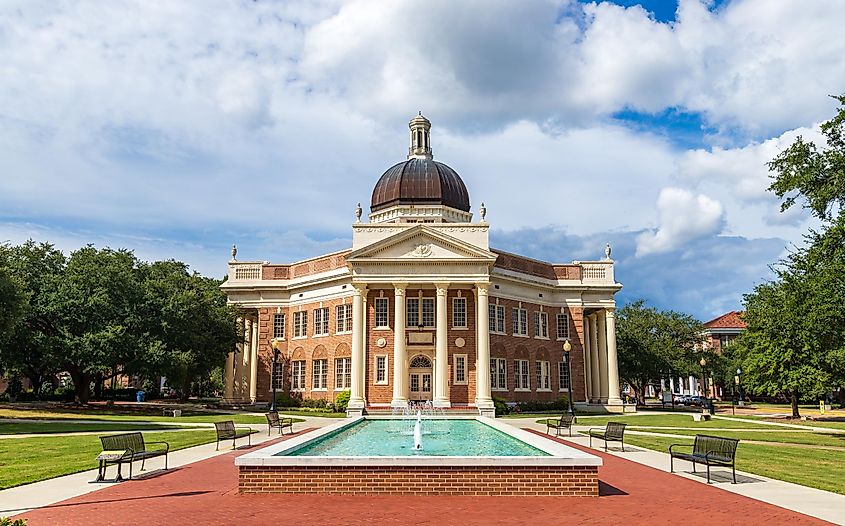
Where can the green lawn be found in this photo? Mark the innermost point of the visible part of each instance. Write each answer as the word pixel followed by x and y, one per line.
pixel 815 468
pixel 18 428
pixel 678 420
pixel 812 423
pixel 798 437
pixel 97 414
pixel 25 460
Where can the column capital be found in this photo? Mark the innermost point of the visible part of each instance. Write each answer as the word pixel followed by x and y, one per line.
pixel 359 289
pixel 610 312
pixel 482 288
pixel 399 288
pixel 442 288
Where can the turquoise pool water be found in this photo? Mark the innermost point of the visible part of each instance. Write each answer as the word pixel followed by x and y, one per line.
pixel 394 438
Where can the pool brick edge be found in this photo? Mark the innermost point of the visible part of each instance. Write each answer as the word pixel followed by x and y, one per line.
pixel 417 480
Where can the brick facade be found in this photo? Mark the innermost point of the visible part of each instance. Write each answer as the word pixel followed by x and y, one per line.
pixel 412 480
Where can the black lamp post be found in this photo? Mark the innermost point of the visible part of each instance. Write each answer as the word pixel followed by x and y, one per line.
pixel 738 380
pixel 566 348
pixel 703 364
pixel 276 353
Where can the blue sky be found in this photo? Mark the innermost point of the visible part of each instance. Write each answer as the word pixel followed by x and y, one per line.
pixel 179 128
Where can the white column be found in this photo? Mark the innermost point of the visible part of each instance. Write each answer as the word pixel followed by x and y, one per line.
pixel 612 365
pixel 483 394
pixel 229 375
pixel 588 369
pixel 253 363
pixel 400 373
pixel 594 359
pixel 601 329
pixel 441 350
pixel 356 394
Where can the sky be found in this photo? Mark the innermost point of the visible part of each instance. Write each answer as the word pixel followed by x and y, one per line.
pixel 177 129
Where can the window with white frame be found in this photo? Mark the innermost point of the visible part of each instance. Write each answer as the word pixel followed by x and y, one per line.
pixel 343 317
pixel 321 322
pixel 342 373
pixel 541 325
pixel 563 375
pixel 300 324
pixel 562 326
pixel 297 375
pixel 498 374
pixel 420 311
pixel 496 318
pixel 278 377
pixel 520 322
pixel 460 369
pixel 521 375
pixel 381 369
pixel 459 312
pixel 543 375
pixel 319 374
pixel 382 318
pixel 279 326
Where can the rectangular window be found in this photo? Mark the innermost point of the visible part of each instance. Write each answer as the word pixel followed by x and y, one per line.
pixel 279 326
pixel 342 373
pixel 562 326
pixel 460 368
pixel 427 312
pixel 381 369
pixel 541 325
pixel 412 310
pixel 343 317
pixel 382 319
pixel 543 376
pixel 319 374
pixel 521 374
pixel 498 374
pixel 278 377
pixel 520 322
pixel 563 375
pixel 496 318
pixel 298 375
pixel 300 324
pixel 459 312
pixel 321 322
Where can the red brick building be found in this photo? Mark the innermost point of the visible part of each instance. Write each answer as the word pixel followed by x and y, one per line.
pixel 422 308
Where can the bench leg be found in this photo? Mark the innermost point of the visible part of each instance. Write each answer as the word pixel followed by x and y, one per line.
pixel 217 447
pixel 671 464
pixel 708 473
pixel 142 463
pixel 570 431
pixel 623 444
pixel 605 445
pixel 733 469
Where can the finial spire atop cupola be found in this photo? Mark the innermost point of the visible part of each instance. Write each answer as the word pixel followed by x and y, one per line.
pixel 420 138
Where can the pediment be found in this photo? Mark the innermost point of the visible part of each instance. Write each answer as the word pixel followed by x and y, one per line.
pixel 420 243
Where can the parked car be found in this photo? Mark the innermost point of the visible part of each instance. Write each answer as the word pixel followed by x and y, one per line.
pixel 695 400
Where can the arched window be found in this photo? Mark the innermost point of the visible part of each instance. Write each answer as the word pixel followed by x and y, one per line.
pixel 421 362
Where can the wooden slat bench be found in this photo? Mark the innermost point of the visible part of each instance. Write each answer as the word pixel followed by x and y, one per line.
pixel 133 447
pixel 613 432
pixel 227 431
pixel 707 450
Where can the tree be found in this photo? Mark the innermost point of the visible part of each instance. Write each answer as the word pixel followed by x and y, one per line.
pixel 95 310
pixel 653 344
pixel 189 327
pixel 11 303
pixel 30 348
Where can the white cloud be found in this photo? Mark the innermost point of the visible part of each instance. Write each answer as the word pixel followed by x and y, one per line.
pixel 682 217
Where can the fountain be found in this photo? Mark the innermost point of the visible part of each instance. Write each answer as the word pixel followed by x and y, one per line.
pixel 418 432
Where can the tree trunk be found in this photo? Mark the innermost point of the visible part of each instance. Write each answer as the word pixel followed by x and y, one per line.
pixel 185 392
pixel 794 401
pixel 641 393
pixel 81 385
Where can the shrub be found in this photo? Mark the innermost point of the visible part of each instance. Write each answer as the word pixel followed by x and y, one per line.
pixel 501 405
pixel 6 521
pixel 532 406
pixel 288 400
pixel 341 401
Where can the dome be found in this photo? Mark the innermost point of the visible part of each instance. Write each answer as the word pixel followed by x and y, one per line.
pixel 420 181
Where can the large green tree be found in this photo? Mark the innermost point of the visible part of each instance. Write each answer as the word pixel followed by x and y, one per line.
pixel 795 341
pixel 654 344
pixel 11 302
pixel 189 329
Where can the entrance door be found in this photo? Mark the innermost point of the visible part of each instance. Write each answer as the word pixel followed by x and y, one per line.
pixel 420 378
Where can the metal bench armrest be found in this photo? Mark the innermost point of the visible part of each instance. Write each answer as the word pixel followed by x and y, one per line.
pixel 166 445
pixel 679 445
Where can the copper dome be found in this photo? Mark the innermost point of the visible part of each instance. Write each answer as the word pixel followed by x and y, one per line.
pixel 420 181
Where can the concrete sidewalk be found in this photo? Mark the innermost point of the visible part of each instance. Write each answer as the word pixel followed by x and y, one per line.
pixel 809 501
pixel 38 494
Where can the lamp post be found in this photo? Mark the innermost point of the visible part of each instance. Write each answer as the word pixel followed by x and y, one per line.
pixel 703 364
pixel 566 348
pixel 738 381
pixel 276 353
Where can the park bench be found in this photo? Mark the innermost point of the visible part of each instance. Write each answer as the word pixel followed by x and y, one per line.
pixel 707 450
pixel 127 448
pixel 564 422
pixel 227 431
pixel 274 420
pixel 613 432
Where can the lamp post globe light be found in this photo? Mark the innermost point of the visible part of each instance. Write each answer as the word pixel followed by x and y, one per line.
pixel 738 380
pixel 703 364
pixel 566 348
pixel 275 345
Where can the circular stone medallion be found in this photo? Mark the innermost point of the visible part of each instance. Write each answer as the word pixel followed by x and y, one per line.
pixel 381 342
pixel 460 342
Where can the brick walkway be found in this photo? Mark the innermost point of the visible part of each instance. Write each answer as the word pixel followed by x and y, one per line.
pixel 206 493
